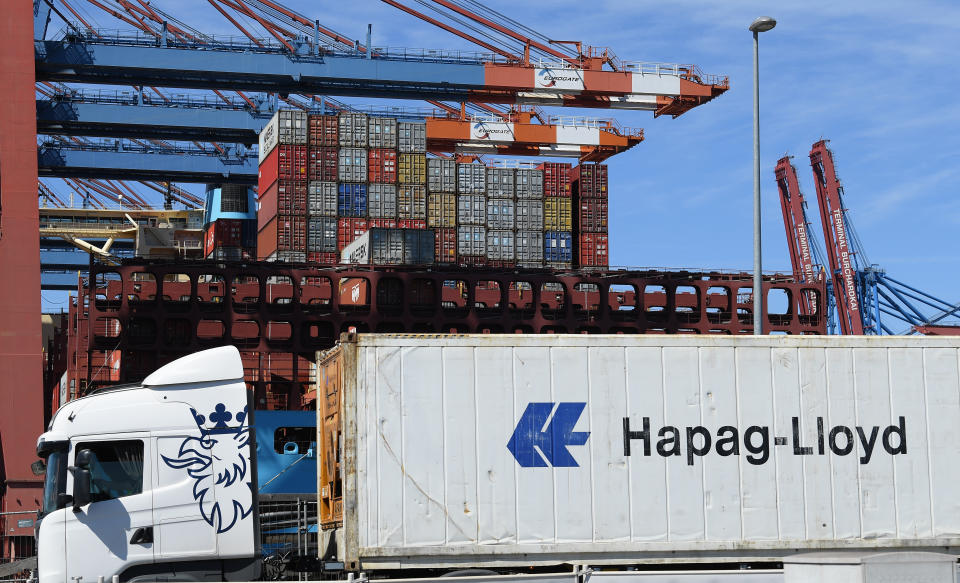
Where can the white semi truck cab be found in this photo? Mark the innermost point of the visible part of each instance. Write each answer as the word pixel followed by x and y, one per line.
pixel 154 481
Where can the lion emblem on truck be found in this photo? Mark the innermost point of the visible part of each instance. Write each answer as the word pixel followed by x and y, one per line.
pixel 217 462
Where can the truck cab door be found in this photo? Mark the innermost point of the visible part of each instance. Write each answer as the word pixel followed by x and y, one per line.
pixel 115 530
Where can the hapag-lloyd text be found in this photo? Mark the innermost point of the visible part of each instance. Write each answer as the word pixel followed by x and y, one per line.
pixel 698 441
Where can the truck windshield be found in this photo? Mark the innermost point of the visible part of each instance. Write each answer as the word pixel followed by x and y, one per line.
pixel 55 480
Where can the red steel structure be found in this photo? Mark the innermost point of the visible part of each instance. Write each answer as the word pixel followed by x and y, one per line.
pixel 21 360
pixel 795 222
pixel 840 253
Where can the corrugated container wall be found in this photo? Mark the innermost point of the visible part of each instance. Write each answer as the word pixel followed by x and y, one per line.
pixel 322 199
pixel 529 248
pixel 323 130
pixel 348 230
pixel 293 127
pixel 500 213
pixel 472 241
pixel 558 246
pixel 322 235
pixel 352 165
pixel 412 137
pixel 591 216
pixel 382 201
pixel 528 183
pixel 529 214
pixel 382 132
pixel 557 214
pixel 593 250
pixel 556 179
pixel 500 183
pixel 412 169
pixel 471 178
pixel 352 200
pixel 441 175
pixel 500 245
pixel 471 209
pixel 322 164
pixel 605 450
pixel 382 165
pixel 412 202
pixel 352 129
pixel 442 210
pixel 446 245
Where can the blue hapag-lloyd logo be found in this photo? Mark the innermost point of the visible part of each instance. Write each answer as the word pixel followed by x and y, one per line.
pixel 536 443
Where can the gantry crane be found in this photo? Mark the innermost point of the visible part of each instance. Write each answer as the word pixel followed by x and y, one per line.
pixel 865 299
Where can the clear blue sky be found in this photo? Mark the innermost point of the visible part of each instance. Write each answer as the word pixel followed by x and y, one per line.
pixel 879 79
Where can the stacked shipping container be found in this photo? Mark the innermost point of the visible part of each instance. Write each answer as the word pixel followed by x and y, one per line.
pixel 326 180
pixel 589 186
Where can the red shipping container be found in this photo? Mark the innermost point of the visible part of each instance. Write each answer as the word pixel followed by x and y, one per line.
pixel 283 163
pixel 500 264
pixel 209 238
pixel 446 245
pixel 556 179
pixel 282 233
pixel 592 215
pixel 348 230
pixel 322 258
pixel 353 291
pixel 590 180
pixel 412 223
pixel 594 250
pixel 269 171
pixel 322 164
pixel 382 223
pixel 322 131
pixel 382 165
pixel 284 197
pixel 472 260
pixel 222 233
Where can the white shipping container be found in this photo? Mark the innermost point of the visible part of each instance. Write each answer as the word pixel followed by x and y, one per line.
pixel 529 214
pixel 496 450
pixel 441 175
pixel 269 138
pixel 529 248
pixel 500 182
pixel 528 183
pixel 500 245
pixel 500 213
pixel 292 127
pixel 471 178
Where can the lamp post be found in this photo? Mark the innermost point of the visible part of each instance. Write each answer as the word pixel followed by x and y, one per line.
pixel 762 24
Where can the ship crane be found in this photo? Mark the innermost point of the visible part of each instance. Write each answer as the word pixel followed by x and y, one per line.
pixel 865 299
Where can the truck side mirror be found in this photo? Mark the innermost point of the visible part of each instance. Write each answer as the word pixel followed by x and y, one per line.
pixel 81 479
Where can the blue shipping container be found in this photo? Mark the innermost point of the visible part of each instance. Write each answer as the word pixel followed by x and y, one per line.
pixel 558 246
pixel 352 200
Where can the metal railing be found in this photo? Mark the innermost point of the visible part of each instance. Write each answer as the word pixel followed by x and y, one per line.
pixel 118 97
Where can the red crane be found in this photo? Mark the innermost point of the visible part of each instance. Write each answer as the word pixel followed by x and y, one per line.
pixel 840 252
pixel 805 256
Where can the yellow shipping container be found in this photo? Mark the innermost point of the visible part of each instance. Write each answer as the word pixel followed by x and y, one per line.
pixel 557 214
pixel 412 169
pixel 442 210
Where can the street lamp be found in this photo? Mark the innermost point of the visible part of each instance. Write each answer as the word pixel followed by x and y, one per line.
pixel 762 24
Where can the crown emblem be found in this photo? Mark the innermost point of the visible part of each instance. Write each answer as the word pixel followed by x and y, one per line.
pixel 220 417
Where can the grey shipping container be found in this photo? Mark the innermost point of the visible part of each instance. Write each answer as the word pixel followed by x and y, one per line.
pixel 500 245
pixel 352 128
pixel 471 209
pixel 322 199
pixel 352 165
pixel 471 241
pixel 529 214
pixel 391 247
pixel 292 127
pixel 412 202
pixel 500 182
pixel 528 183
pixel 381 132
pixel 529 248
pixel 412 137
pixel 471 178
pixel 322 234
pixel 500 213
pixel 288 256
pixel 441 175
pixel 441 210
pixel 382 201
